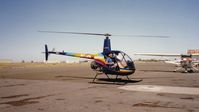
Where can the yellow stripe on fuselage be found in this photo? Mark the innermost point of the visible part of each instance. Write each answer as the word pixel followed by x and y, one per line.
pixel 125 70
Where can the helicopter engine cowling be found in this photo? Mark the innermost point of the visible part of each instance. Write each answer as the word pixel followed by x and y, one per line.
pixel 95 66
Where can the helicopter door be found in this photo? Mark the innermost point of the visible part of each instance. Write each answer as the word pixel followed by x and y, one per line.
pixel 124 61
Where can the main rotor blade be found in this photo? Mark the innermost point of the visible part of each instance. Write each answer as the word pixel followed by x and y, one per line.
pixel 150 36
pixel 77 33
pixel 107 34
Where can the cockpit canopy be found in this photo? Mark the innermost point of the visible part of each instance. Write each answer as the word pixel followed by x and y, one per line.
pixel 123 60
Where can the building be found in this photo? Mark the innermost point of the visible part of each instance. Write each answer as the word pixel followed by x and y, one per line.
pixel 193 51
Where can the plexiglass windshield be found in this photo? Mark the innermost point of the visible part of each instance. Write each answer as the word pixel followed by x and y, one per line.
pixel 123 60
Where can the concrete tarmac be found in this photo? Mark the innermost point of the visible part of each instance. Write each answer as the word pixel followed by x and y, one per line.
pixel 38 87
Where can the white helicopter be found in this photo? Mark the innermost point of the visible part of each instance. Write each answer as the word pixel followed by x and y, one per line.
pixel 188 62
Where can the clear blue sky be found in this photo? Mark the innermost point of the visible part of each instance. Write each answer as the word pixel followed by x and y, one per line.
pixel 21 19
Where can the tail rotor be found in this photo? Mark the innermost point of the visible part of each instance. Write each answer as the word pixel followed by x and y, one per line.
pixel 46 52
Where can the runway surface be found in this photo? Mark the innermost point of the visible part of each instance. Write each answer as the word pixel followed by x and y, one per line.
pixel 67 88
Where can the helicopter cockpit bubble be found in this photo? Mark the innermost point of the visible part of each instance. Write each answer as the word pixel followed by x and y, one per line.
pixel 123 60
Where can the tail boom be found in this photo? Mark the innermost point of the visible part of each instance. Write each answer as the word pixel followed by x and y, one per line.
pixel 78 55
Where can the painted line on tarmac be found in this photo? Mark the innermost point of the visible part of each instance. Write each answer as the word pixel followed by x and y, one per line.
pixel 162 89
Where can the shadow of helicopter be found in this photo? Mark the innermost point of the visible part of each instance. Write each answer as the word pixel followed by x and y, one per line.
pixel 118 81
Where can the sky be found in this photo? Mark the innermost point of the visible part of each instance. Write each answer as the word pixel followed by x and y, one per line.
pixel 20 21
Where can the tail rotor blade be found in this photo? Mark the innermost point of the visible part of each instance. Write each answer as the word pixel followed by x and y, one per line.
pixel 46 52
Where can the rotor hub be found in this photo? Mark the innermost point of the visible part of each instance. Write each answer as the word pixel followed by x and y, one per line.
pixel 107 34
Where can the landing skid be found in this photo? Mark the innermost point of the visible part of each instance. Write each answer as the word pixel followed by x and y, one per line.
pixel 115 79
pixel 179 69
pixel 186 70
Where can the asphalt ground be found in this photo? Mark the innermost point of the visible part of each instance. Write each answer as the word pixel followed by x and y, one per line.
pixel 35 87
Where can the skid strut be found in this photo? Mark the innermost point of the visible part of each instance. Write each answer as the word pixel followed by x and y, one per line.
pixel 99 74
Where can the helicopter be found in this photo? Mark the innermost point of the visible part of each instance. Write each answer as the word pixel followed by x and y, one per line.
pixel 124 64
pixel 186 64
